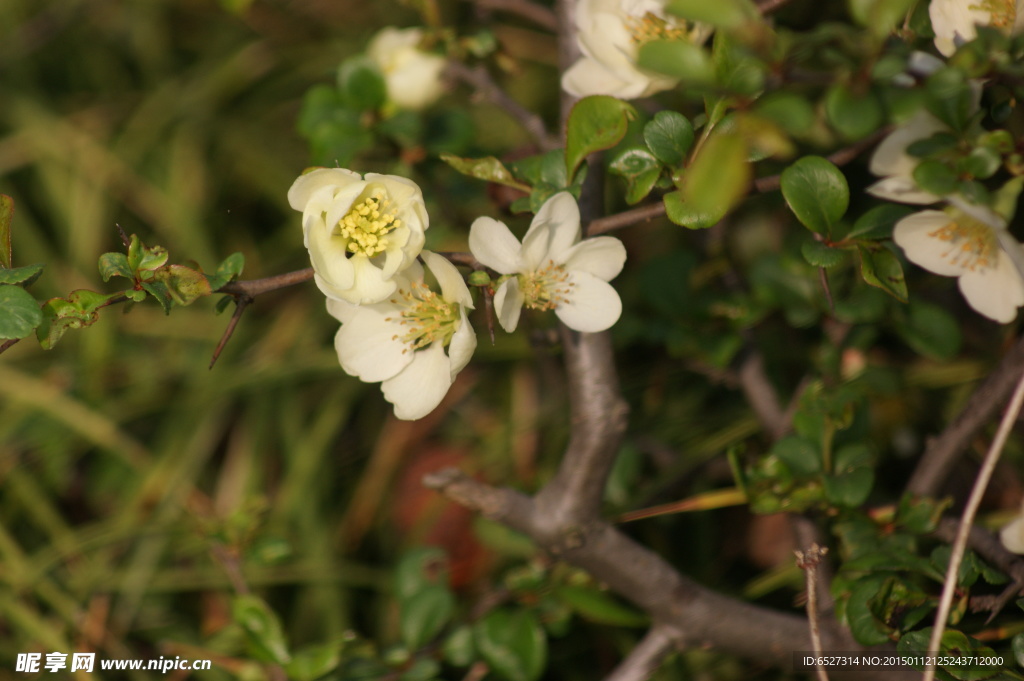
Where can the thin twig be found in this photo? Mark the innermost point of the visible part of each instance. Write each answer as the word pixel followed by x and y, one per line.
pixel 480 79
pixel 988 466
pixel 254 287
pixel 942 452
pixel 645 658
pixel 808 562
pixel 8 343
pixel 241 302
pixel 538 14
pixel 768 6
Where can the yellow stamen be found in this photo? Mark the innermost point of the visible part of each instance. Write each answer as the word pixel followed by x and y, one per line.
pixel 428 317
pixel 972 244
pixel 652 27
pixel 1003 12
pixel 366 225
pixel 546 288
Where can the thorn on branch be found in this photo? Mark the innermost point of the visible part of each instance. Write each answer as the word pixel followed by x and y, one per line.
pixel 241 302
pixel 124 237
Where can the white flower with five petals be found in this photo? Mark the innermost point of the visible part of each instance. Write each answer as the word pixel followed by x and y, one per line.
pixel 414 343
pixel 609 34
pixel 360 231
pixel 955 21
pixel 896 167
pixel 412 77
pixel 552 269
pixel 972 243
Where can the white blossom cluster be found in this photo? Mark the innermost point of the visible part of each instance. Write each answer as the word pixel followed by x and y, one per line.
pixel 365 237
pixel 962 240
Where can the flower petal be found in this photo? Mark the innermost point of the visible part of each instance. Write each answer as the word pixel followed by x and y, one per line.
pixel 462 346
pixel 594 305
pixel 602 256
pixel 1012 535
pixel 901 189
pixel 419 388
pixel 554 230
pixel 335 274
pixel 995 292
pixel 341 310
pixel 508 304
pixel 368 344
pixel 370 285
pixel 453 286
pixel 493 244
pixel 891 158
pixel 304 187
pixel 914 234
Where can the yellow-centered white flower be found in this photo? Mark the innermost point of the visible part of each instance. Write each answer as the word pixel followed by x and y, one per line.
pixel 609 34
pixel 412 76
pixel 955 21
pixel 360 232
pixel 414 343
pixel 972 243
pixel 552 269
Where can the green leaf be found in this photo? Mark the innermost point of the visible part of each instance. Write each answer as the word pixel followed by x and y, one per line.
pixel 853 476
pixel 361 84
pixel 682 213
pixel 878 222
pixel 641 170
pixel 935 177
pixel 184 284
pixel 423 669
pixel 950 97
pixel 931 331
pixel 115 265
pixel 981 163
pixel 853 116
pixel 458 648
pixel 19 312
pixel 488 169
pixel 600 607
pixel 142 259
pixel 420 569
pixel 801 456
pixel 158 290
pixel 513 644
pixel 262 629
pixel 6 218
pixel 669 136
pixel 688 62
pixel 789 111
pixel 879 16
pixel 595 123
pixel 311 663
pixel 718 13
pixel 424 614
pixel 1017 645
pixel 817 193
pixel 821 255
pixel 864 626
pixel 719 177
pixel 882 268
pixel 21 275
pixel 76 311
pixel 227 271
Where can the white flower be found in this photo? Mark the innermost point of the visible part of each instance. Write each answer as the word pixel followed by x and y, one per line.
pixel 972 243
pixel 1012 534
pixel 552 269
pixel 892 162
pixel 954 21
pixel 412 76
pixel 402 341
pixel 609 33
pixel 360 232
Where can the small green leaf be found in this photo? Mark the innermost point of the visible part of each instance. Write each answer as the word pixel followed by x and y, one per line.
pixel 719 13
pixel 950 97
pixel 600 607
pixel 878 222
pixel 420 569
pixel 76 311
pixel 641 170
pixel 458 648
pixel 817 193
pixel 931 331
pixel 852 478
pixel 6 218
pixel 821 255
pixel 669 136
pixel 789 111
pixel 864 626
pixel 158 290
pixel 488 169
pixel 115 265
pixel 981 163
pixel 801 456
pixel 513 644
pixel 227 271
pixel 314 662
pixel 595 123
pixel 1017 645
pixel 424 614
pixel 262 629
pixel 361 84
pixel 682 213
pixel 142 259
pixel 935 177
pixel 719 177
pixel 184 284
pixel 21 275
pixel 19 312
pixel 882 268
pixel 688 62
pixel 853 116
pixel 879 16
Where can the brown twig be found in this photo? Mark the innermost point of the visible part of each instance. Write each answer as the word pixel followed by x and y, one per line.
pixel 241 302
pixel 768 6
pixel 645 658
pixel 254 287
pixel 8 343
pixel 538 14
pixel 941 453
pixel 808 562
pixel 480 79
pixel 967 519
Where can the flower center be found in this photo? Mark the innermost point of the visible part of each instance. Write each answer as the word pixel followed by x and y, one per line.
pixel 1003 12
pixel 652 27
pixel 427 316
pixel 366 225
pixel 972 244
pixel 546 288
